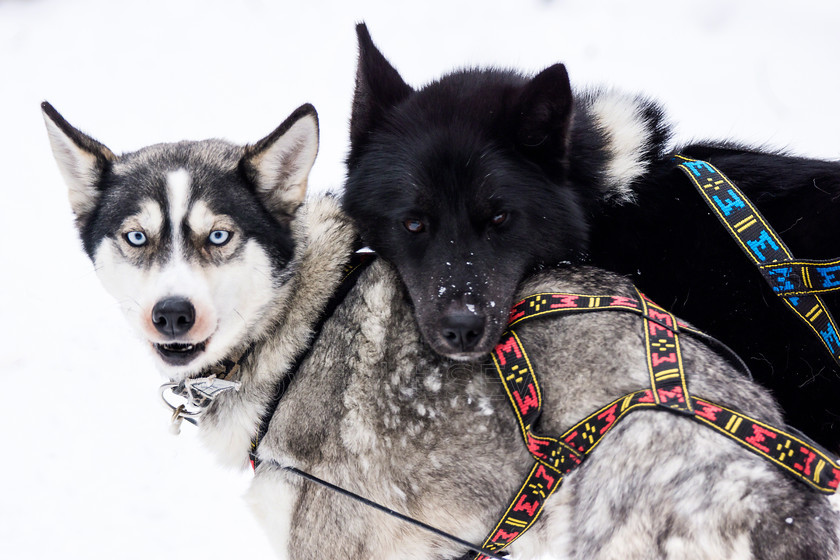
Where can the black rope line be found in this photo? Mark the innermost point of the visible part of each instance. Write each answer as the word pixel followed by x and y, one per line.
pixel 393 513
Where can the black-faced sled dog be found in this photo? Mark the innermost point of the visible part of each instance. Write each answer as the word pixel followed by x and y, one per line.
pixel 231 278
pixel 477 179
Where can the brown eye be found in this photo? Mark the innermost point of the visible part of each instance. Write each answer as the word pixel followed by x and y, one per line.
pixel 414 226
pixel 499 219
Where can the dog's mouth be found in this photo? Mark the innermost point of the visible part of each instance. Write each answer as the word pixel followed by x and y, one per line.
pixel 179 353
pixel 467 356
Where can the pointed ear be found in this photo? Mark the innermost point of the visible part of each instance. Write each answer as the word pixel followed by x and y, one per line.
pixel 81 160
pixel 378 88
pixel 279 164
pixel 544 112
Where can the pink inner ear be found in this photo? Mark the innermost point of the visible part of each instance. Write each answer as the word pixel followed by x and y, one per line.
pixel 280 163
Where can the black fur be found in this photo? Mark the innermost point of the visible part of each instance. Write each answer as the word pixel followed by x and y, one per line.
pixel 476 144
pixel 453 156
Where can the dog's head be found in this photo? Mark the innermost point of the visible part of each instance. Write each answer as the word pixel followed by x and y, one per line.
pixel 462 186
pixel 192 239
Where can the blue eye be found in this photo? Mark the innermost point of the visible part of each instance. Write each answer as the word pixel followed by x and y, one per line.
pixel 219 237
pixel 136 238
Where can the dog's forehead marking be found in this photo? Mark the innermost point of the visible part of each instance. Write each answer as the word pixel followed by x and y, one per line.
pixel 178 196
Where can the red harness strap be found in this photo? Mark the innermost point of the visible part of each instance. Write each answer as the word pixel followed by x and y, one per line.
pixel 556 457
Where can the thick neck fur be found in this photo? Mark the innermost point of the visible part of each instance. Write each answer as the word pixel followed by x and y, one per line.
pixel 324 240
pixel 614 139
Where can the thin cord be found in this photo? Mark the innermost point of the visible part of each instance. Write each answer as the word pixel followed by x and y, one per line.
pixel 393 513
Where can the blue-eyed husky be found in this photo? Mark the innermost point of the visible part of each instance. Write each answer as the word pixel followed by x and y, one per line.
pixel 225 271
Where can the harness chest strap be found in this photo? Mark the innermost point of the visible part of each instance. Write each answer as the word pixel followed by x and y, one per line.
pixel 556 457
pixel 797 282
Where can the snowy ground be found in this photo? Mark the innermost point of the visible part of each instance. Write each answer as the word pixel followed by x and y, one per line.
pixel 88 468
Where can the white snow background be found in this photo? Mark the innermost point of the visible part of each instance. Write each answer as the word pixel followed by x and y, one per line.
pixel 88 468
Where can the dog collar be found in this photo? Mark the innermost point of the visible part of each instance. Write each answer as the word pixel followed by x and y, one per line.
pixel 195 395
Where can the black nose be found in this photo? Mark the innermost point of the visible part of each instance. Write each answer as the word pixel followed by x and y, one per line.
pixel 461 331
pixel 173 316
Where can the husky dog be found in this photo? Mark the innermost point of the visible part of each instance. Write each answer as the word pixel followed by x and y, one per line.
pixel 212 251
pixel 477 179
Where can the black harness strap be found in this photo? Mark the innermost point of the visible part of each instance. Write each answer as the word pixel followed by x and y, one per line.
pixel 556 457
pixel 352 270
pixel 797 282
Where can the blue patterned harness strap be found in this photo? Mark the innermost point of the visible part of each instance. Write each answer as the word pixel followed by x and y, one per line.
pixel 556 457
pixel 797 282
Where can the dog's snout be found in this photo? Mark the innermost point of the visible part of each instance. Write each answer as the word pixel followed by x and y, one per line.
pixel 462 331
pixel 173 317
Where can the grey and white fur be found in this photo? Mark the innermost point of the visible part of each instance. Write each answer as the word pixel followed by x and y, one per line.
pixel 374 410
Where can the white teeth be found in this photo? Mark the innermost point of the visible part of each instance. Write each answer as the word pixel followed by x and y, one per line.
pixel 179 350
pixel 178 347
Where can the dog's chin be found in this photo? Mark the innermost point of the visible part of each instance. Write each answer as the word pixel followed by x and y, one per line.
pixel 467 356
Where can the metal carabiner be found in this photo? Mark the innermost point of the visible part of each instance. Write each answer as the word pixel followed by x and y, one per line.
pixel 180 411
